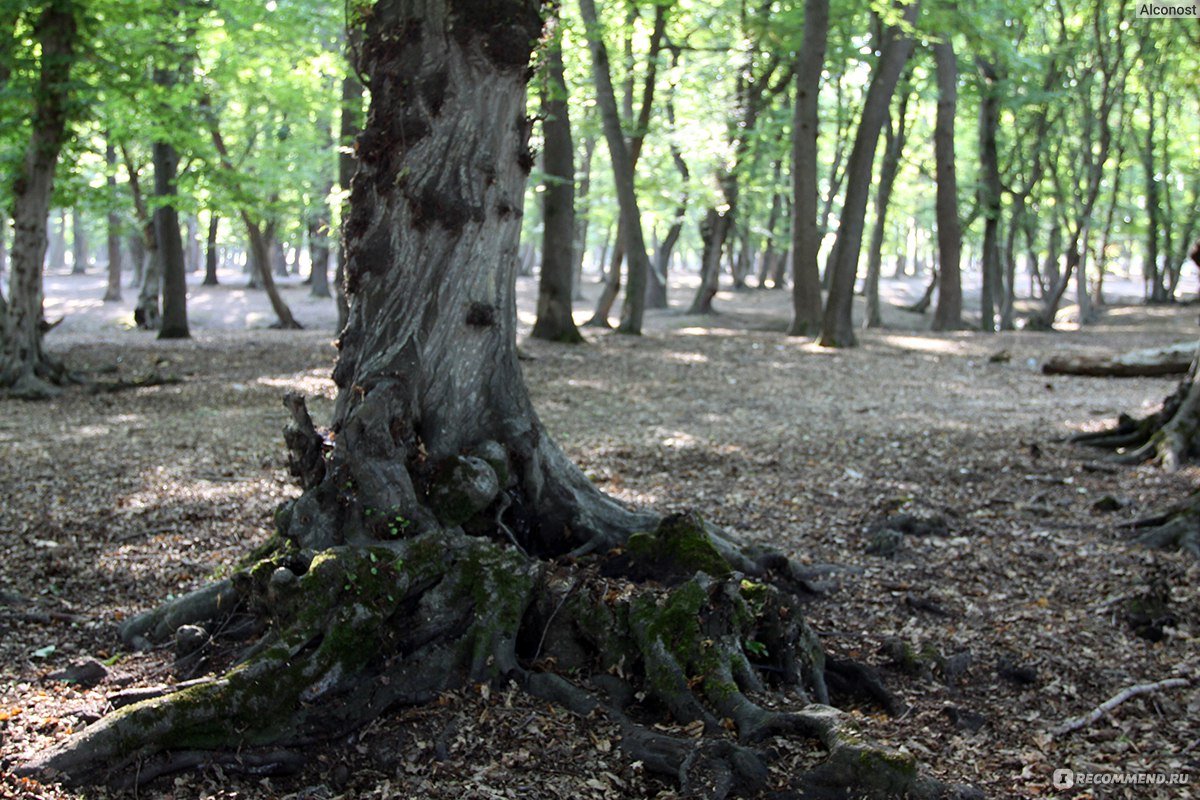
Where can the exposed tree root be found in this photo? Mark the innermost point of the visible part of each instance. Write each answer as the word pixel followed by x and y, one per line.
pixel 1178 528
pixel 1169 436
pixel 353 631
pixel 384 590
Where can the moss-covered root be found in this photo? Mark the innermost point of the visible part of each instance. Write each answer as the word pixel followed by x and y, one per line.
pixel 858 768
pixel 159 624
pixel 361 629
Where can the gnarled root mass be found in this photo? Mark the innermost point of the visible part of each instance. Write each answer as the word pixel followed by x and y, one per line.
pixel 1169 436
pixel 332 637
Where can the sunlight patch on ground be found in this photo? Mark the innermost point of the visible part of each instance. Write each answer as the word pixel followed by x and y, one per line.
pixel 587 384
pixel 680 439
pixel 695 331
pixel 310 384
pixel 923 344
pixel 687 358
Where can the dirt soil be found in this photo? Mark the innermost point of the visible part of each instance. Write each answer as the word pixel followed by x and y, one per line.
pixel 1024 591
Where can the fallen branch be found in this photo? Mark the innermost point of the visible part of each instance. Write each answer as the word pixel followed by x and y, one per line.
pixel 1116 700
pixel 1173 360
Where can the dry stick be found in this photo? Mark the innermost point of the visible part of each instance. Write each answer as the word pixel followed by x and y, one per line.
pixel 1116 700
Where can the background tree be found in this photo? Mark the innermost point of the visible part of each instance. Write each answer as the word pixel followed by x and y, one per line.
pixel 837 329
pixel 554 321
pixel 806 237
pixel 948 315
pixel 26 369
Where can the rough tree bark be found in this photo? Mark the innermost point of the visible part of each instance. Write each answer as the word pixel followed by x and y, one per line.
pixel 554 321
pixel 26 369
pixel 806 238
pixel 418 557
pixel 837 329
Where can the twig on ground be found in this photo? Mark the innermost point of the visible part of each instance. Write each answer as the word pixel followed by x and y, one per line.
pixel 1116 700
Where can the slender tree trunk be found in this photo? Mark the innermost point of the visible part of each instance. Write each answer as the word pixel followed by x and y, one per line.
pixel 79 243
pixel 56 252
pixel 112 292
pixel 26 369
pixel 260 254
pixel 279 261
pixel 623 176
pixel 320 221
pixel 136 245
pixel 948 315
pixel 714 230
pixel 170 244
pixel 191 244
pixel 1153 273
pixel 837 328
pixel 210 249
pixel 611 279
pixel 3 252
pixel 989 193
pixel 260 259
pixel 806 238
pixel 582 219
pixel 656 287
pixel 896 136
pixel 318 252
pixel 554 321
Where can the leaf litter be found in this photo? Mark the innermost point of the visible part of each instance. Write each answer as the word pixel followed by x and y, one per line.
pixel 1008 617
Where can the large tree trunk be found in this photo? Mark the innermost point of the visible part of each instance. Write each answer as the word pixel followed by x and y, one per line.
pixel 806 238
pixel 948 315
pixel 417 555
pixel 554 321
pixel 837 329
pixel 26 369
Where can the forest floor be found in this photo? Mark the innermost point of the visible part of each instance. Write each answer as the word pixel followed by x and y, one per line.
pixel 1029 590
